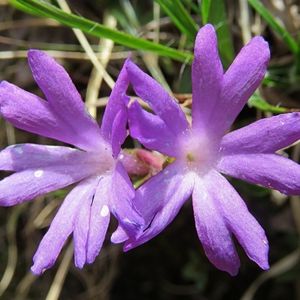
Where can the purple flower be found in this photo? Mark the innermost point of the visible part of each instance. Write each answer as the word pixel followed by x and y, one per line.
pixel 104 186
pixel 202 152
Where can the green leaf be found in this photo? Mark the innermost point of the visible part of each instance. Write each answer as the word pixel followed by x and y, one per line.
pixel 215 13
pixel 22 7
pixel 130 13
pixel 191 5
pixel 44 9
pixel 172 16
pixel 205 9
pixel 180 17
pixel 259 103
pixel 185 15
pixel 273 23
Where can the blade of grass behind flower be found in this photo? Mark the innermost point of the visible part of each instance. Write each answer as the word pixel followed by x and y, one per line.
pixel 215 13
pixel 23 7
pixel 205 8
pixel 60 276
pixel 93 28
pixel 185 15
pixel 262 105
pixel 191 5
pixel 12 257
pixel 96 78
pixel 273 23
pixel 278 268
pixel 180 17
pixel 131 23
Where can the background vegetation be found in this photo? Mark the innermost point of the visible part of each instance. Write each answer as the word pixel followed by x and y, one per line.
pixel 159 35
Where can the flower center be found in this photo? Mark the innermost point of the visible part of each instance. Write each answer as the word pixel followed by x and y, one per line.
pixel 190 157
pixel 196 152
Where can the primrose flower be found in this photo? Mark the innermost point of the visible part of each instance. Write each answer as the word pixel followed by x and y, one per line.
pixel 104 186
pixel 202 152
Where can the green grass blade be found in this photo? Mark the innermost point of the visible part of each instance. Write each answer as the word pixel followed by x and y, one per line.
pixel 186 17
pixel 218 17
pixel 130 13
pixel 165 7
pixel 272 22
pixel 44 9
pixel 180 17
pixel 22 7
pixel 205 9
pixel 262 105
pixel 193 6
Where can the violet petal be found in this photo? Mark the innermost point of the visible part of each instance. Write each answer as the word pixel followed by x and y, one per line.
pixel 207 74
pixel 82 227
pixel 29 156
pixel 31 113
pixel 99 218
pixel 239 83
pixel 159 201
pixel 212 230
pixel 239 220
pixel 116 105
pixel 159 100
pixel 263 136
pixel 150 130
pixel 119 235
pixel 121 201
pixel 269 170
pixel 30 183
pixel 119 131
pixel 61 227
pixel 64 99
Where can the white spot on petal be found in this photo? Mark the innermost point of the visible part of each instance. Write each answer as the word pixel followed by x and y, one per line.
pixel 104 211
pixel 38 173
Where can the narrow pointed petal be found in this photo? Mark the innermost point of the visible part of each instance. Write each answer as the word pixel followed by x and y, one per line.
pixel 63 98
pixel 238 219
pixel 263 136
pixel 269 170
pixel 81 233
pixel 159 201
pixel 21 157
pixel 30 183
pixel 112 130
pixel 81 228
pixel 99 218
pixel 119 131
pixel 121 201
pixel 239 83
pixel 61 227
pixel 207 74
pixel 119 236
pixel 212 230
pixel 159 100
pixel 154 193
pixel 150 130
pixel 31 113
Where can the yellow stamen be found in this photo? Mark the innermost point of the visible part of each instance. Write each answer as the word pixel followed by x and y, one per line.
pixel 190 157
